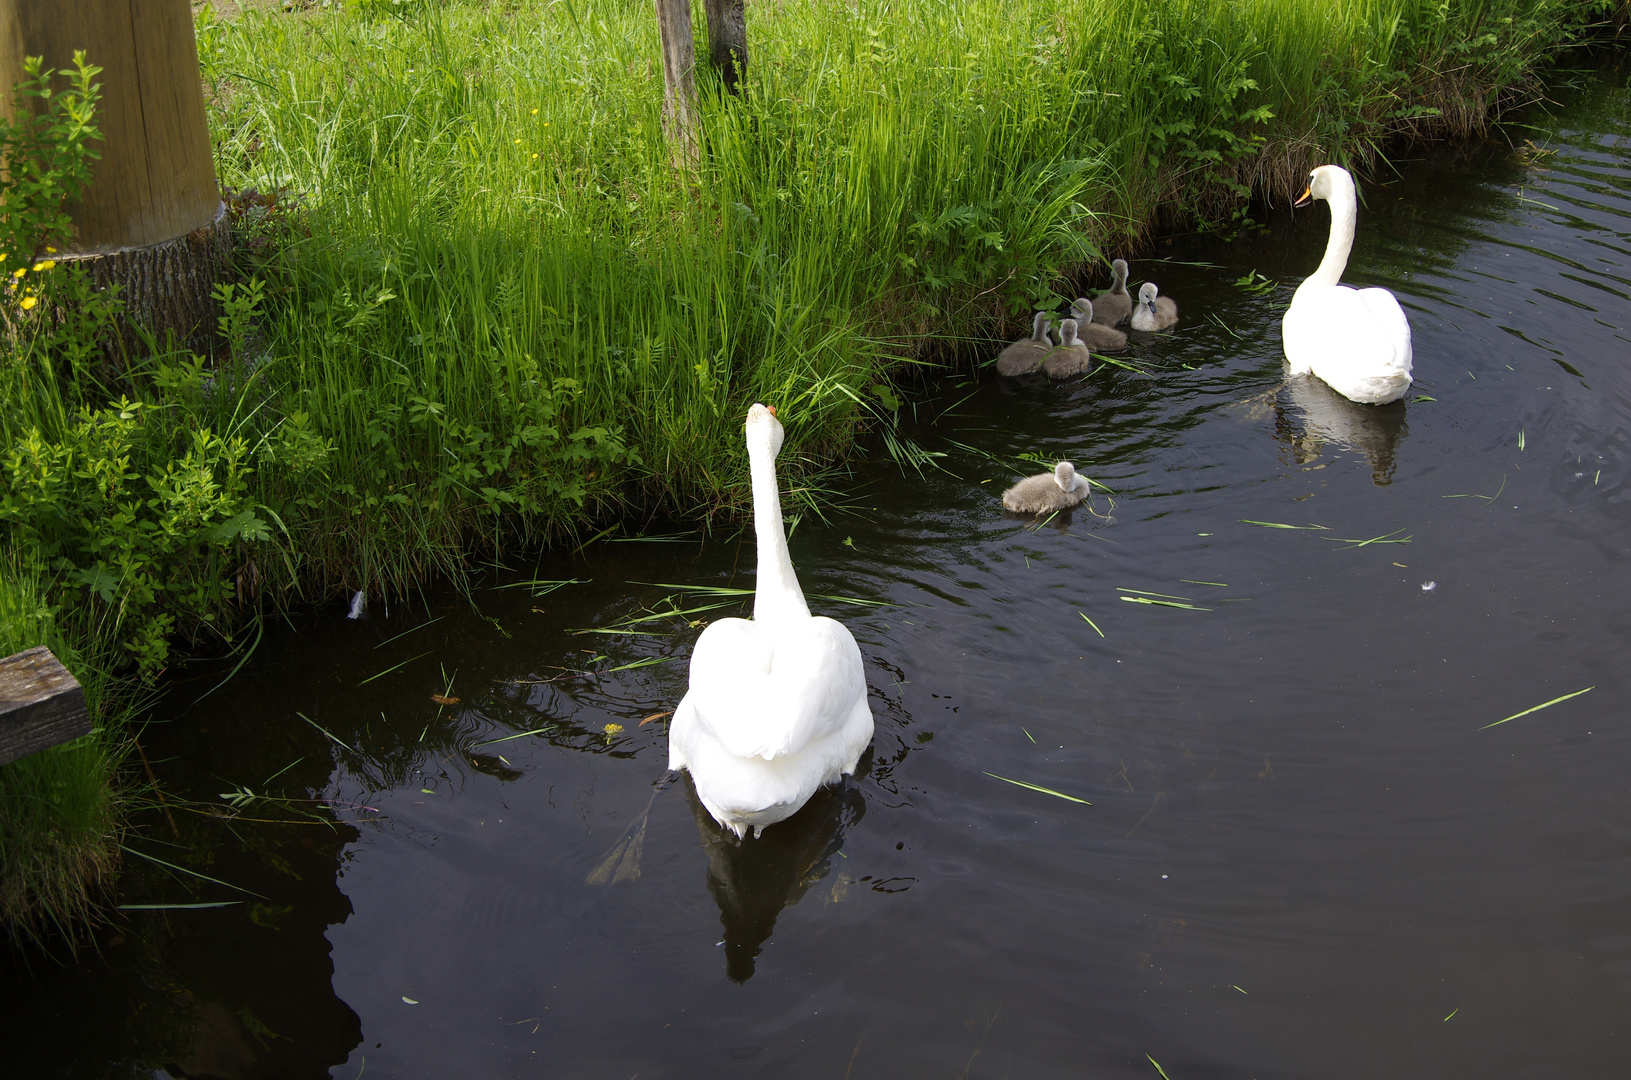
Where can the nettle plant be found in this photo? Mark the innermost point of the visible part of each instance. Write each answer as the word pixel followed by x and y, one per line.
pixel 138 512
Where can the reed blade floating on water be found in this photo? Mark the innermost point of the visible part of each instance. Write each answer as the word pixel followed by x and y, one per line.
pixel 1385 538
pixel 395 667
pixel 415 630
pixel 1537 708
pixel 1163 603
pixel 327 733
pixel 155 859
pixel 1039 787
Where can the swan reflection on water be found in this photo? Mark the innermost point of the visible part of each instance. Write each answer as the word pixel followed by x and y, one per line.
pixel 753 880
pixel 1327 417
pixel 1318 416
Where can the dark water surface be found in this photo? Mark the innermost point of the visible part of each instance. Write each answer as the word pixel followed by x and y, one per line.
pixel 1304 855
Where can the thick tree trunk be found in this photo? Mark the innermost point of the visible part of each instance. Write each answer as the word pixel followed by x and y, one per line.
pixel 728 41
pixel 680 88
pixel 151 219
pixel 167 288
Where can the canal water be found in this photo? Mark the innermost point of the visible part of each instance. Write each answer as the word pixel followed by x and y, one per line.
pixel 1269 668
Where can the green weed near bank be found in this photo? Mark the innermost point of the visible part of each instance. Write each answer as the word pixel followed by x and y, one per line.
pixel 511 312
pixel 485 309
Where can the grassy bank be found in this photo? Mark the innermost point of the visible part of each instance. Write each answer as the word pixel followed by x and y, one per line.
pixel 479 308
pixel 60 809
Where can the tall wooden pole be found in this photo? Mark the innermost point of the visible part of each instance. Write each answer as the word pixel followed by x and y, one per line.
pixel 728 41
pixel 679 83
pixel 151 219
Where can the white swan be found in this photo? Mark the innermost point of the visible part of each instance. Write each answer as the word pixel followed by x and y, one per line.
pixel 777 705
pixel 1058 490
pixel 1357 340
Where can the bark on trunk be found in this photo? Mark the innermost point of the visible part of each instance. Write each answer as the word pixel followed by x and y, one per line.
pixel 680 88
pixel 728 41
pixel 167 291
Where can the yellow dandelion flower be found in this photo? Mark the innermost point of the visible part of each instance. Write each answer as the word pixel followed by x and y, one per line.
pixel 46 265
pixel 535 112
pixel 52 250
pixel 613 729
pixel 20 271
pixel 518 142
pixel 535 157
pixel 27 303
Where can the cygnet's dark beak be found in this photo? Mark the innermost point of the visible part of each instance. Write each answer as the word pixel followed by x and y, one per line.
pixel 1306 197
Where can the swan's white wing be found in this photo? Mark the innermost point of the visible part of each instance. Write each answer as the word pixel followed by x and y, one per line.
pixel 1389 327
pixel 769 691
pixel 1358 341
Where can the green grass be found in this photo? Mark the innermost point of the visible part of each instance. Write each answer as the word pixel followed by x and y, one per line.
pixel 511 315
pixel 493 313
pixel 60 810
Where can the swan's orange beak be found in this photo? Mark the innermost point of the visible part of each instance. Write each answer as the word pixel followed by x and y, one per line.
pixel 771 409
pixel 1305 198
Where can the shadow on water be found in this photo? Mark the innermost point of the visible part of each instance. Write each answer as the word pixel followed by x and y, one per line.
pixel 1160 782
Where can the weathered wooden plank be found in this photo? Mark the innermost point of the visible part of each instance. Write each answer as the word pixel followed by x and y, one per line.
pixel 41 704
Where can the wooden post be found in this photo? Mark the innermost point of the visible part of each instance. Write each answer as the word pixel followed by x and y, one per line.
pixel 41 704
pixel 680 88
pixel 151 219
pixel 728 41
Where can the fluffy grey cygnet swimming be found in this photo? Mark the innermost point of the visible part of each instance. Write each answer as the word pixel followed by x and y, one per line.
pixel 1092 332
pixel 1025 355
pixel 1071 357
pixel 1113 306
pixel 1153 312
pixel 1058 490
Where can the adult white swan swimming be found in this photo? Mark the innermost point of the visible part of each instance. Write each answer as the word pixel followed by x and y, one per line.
pixel 778 704
pixel 1357 340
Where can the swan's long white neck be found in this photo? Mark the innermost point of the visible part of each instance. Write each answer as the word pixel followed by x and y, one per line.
pixel 777 596
pixel 1344 213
